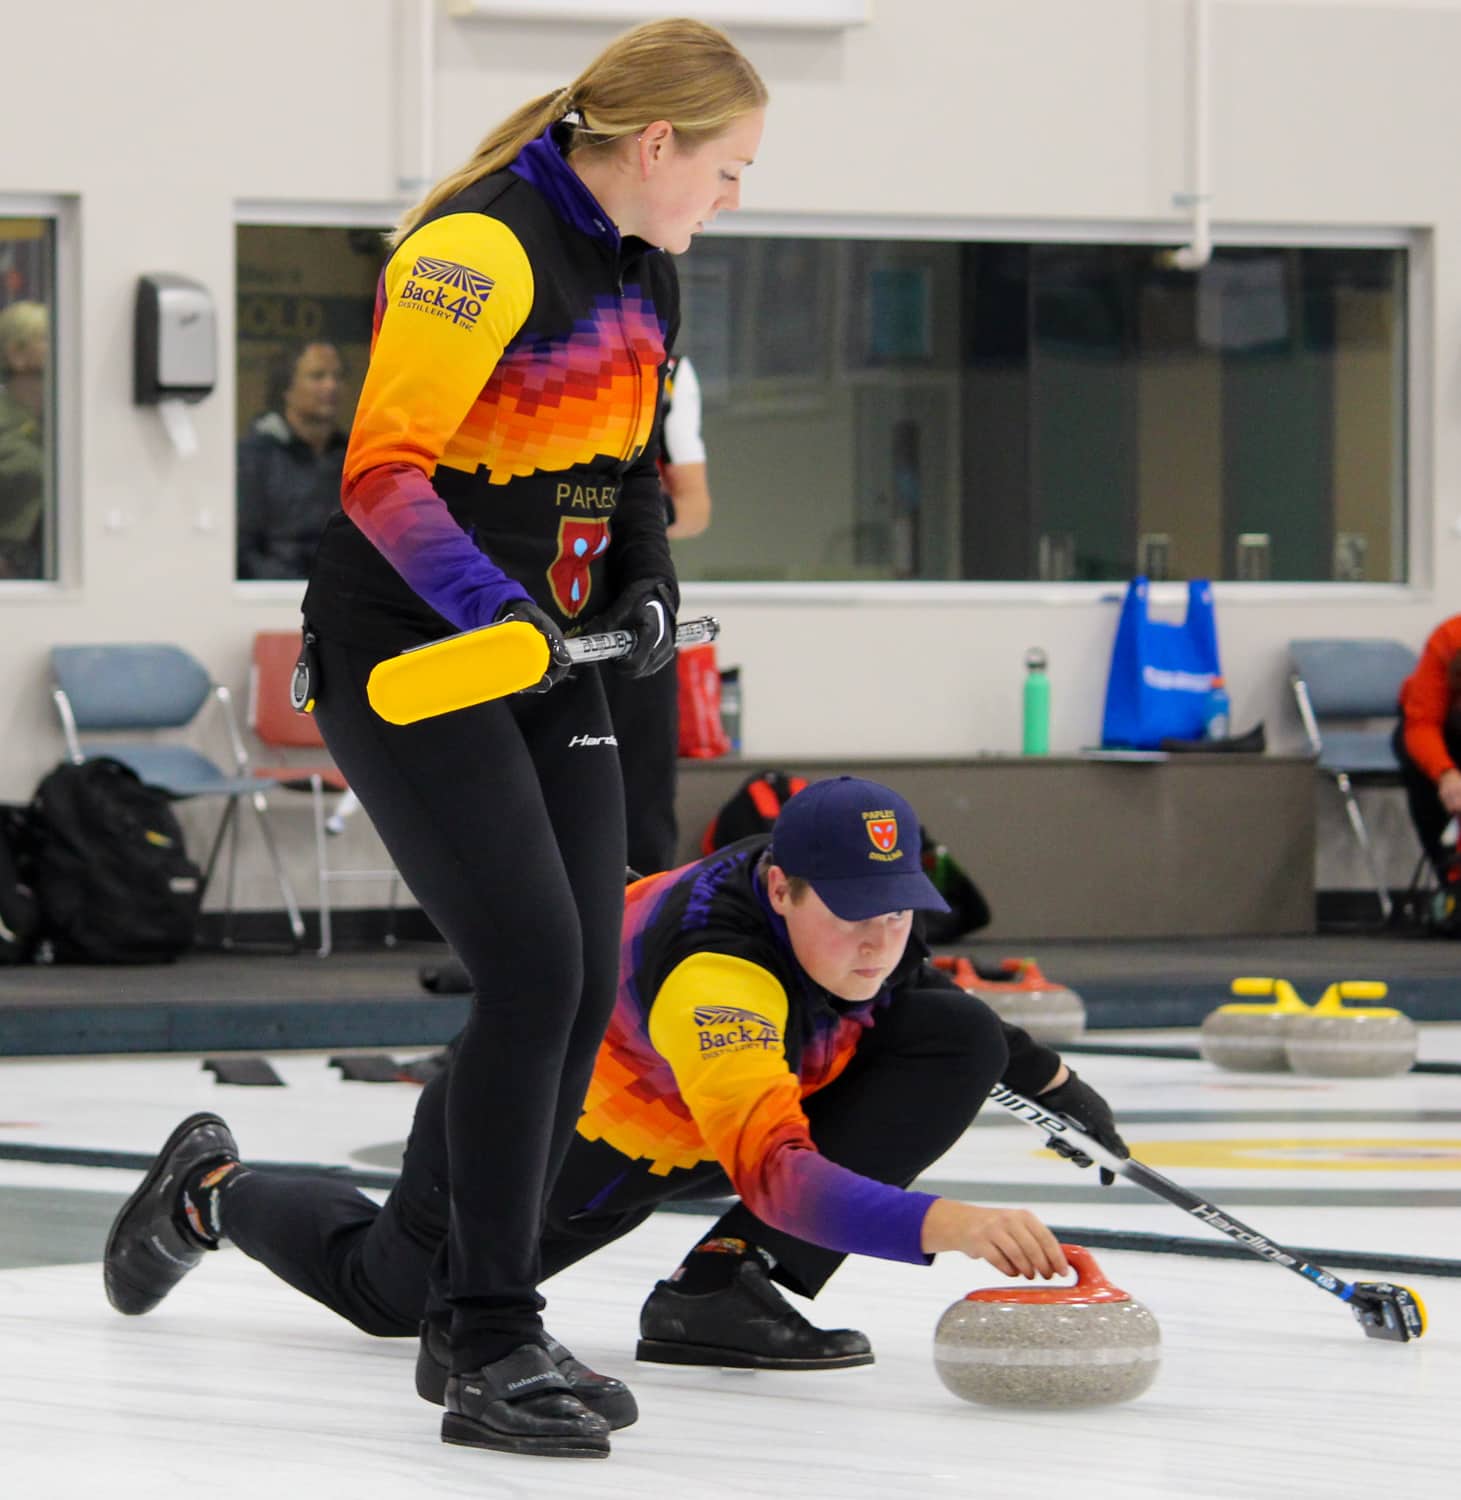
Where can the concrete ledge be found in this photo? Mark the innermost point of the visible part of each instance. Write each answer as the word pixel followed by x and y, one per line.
pixel 267 1025
pixel 1072 847
pixel 198 1026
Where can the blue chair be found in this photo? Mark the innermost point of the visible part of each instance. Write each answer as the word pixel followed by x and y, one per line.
pixel 1343 681
pixel 144 689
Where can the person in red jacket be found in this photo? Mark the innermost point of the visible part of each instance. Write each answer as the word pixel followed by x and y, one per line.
pixel 1428 741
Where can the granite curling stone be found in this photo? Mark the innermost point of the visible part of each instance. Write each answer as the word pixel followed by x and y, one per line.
pixel 1019 993
pixel 1090 1344
pixel 1251 1038
pixel 1339 1041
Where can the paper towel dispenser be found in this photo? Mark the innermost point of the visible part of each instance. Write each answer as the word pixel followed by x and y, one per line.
pixel 175 340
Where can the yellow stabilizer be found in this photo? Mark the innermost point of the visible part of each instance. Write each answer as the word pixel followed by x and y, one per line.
pixel 1285 1000
pixel 473 667
pixel 1331 1002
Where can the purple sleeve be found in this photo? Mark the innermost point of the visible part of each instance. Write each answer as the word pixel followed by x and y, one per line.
pixel 397 508
pixel 805 1194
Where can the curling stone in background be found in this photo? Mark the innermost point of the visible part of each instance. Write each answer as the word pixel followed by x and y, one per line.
pixel 1019 993
pixel 1363 1041
pixel 1250 1038
pixel 1084 1345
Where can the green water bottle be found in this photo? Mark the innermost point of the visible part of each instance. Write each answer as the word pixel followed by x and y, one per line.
pixel 1037 703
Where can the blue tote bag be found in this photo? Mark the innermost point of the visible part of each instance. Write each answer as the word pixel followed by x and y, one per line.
pixel 1160 673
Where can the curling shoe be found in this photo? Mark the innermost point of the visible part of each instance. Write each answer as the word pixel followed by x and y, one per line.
pixel 151 1247
pixel 610 1398
pixel 748 1325
pixel 522 1403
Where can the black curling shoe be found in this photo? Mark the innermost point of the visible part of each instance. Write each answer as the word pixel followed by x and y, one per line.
pixel 150 1249
pixel 521 1403
pixel 610 1398
pixel 747 1326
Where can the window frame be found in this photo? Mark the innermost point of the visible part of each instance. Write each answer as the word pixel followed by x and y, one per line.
pixel 251 213
pixel 1418 435
pixel 63 555
pixel 751 223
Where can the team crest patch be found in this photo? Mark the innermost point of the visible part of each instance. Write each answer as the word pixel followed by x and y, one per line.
pixel 727 1028
pixel 446 289
pixel 581 542
pixel 884 833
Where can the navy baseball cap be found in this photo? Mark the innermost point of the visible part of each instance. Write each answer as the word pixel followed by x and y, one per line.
pixel 859 846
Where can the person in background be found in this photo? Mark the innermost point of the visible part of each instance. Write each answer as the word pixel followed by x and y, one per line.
pixel 289 464
pixel 1428 741
pixel 25 337
pixel 682 452
pixel 645 711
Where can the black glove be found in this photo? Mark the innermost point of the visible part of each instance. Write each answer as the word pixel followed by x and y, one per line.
pixel 559 661
pixel 1092 1114
pixel 647 610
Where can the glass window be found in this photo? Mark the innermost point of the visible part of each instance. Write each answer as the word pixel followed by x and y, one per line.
pixel 945 410
pixel 306 296
pixel 27 399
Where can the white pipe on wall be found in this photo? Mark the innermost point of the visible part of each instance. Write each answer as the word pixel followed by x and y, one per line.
pixel 414 35
pixel 426 97
pixel 1196 254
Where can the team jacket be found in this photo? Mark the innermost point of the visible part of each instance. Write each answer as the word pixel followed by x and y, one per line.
pixel 503 444
pixel 1428 699
pixel 717 1036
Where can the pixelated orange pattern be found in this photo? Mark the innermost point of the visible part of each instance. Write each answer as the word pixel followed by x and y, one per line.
pixel 553 403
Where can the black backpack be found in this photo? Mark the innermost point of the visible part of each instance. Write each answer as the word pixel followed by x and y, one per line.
pixel 968 910
pixel 113 879
pixel 19 914
pixel 750 809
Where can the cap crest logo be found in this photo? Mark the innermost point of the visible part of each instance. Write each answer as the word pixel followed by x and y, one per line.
pixel 884 833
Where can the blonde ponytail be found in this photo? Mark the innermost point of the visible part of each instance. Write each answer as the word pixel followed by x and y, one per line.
pixel 496 149
pixel 682 71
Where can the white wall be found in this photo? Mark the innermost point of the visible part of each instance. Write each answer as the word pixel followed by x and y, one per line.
pixel 157 116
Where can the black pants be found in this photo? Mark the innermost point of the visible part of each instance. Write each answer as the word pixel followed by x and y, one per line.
pixel 1427 811
pixel 915 1085
pixel 509 830
pixel 646 716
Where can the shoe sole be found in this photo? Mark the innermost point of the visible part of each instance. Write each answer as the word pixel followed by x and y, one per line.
pixel 154 1174
pixel 466 1433
pixel 618 1411
pixel 655 1351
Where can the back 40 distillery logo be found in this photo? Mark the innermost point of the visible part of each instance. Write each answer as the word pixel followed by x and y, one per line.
pixel 446 290
pixel 727 1028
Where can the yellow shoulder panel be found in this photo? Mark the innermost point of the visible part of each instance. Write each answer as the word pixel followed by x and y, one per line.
pixel 457 291
pixel 714 1001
